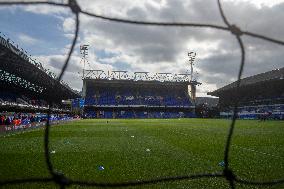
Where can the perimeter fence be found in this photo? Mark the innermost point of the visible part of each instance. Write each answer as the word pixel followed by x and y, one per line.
pixel 227 173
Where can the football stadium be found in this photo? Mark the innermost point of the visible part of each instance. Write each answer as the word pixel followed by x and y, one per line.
pixel 140 129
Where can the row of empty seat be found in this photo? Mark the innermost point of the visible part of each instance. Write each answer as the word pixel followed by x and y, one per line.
pixel 137 114
pixel 146 98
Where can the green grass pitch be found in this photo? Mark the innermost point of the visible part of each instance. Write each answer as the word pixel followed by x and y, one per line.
pixel 143 149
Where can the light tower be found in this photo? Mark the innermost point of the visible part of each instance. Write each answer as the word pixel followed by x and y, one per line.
pixel 191 58
pixel 84 50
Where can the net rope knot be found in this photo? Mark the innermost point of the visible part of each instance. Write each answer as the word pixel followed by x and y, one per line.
pixel 60 179
pixel 74 6
pixel 235 30
pixel 229 175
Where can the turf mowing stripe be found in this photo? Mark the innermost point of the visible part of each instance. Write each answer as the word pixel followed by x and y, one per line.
pixel 198 159
pixel 256 151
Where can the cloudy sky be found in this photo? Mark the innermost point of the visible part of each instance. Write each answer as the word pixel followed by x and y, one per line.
pixel 46 33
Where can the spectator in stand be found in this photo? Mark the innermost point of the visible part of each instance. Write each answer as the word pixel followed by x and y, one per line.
pixel 32 120
pixel 1 120
pixel 2 123
pixel 14 123
pixel 37 119
pixel 7 122
pixel 25 122
pixel 18 122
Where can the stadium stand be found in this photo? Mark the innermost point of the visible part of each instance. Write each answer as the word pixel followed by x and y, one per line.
pixel 261 96
pixel 25 86
pixel 137 98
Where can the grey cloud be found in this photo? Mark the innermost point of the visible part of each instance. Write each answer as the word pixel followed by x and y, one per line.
pixel 73 79
pixel 154 45
pixel 56 62
pixel 157 45
pixel 226 65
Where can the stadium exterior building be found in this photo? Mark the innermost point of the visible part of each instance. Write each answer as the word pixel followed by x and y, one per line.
pixel 119 94
pixel 258 95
